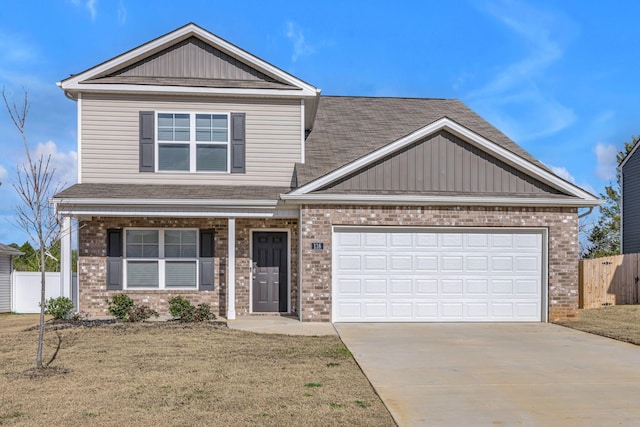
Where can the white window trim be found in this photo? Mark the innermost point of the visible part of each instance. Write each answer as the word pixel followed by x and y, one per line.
pixel 192 141
pixel 160 260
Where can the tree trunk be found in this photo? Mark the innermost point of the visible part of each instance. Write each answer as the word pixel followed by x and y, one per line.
pixel 43 282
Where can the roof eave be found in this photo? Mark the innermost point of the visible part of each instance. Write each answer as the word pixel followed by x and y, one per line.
pixel 373 199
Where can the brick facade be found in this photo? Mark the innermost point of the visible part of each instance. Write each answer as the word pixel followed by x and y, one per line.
pixel 92 263
pixel 316 226
pixel 561 223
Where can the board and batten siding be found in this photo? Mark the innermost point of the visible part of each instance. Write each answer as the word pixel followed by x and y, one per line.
pixel 110 140
pixel 631 205
pixel 441 162
pixel 193 58
pixel 5 283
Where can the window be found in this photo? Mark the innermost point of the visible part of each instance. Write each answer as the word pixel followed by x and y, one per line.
pixel 193 142
pixel 161 259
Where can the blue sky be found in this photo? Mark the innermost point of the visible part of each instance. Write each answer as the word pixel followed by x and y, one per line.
pixel 560 78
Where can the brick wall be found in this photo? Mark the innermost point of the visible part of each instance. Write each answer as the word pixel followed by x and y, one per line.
pixel 561 223
pixel 92 263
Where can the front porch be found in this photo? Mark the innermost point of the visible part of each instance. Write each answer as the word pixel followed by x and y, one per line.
pixel 255 264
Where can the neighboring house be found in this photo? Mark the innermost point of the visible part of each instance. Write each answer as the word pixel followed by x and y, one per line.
pixel 630 200
pixel 6 269
pixel 207 172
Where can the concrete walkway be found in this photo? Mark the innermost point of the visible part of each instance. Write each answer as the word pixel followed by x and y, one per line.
pixel 280 325
pixel 531 374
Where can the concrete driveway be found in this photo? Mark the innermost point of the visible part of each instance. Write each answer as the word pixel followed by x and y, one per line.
pixel 528 374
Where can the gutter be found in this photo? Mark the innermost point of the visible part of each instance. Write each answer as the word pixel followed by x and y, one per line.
pixel 435 200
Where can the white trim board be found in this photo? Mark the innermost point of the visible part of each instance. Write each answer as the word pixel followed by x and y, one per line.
pixel 469 136
pixel 418 200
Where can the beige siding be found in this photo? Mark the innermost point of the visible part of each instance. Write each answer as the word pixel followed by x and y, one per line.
pixel 5 283
pixel 110 144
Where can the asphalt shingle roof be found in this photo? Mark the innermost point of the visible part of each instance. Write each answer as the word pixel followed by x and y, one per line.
pixel 170 192
pixel 8 250
pixel 347 128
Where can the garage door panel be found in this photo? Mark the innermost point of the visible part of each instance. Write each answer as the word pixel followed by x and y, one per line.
pixel 527 263
pixel 415 275
pixel 375 287
pixel 426 287
pixel 401 287
pixel 372 240
pixel 349 262
pixel 426 241
pixel 426 311
pixel 527 241
pixel 401 310
pixel 349 287
pixel 477 310
pixel 401 240
pixel 451 264
pixel 478 287
pixel 375 262
pixel 451 240
pixel 375 310
pixel 452 310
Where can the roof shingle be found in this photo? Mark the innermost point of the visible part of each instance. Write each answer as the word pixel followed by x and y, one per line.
pixel 347 128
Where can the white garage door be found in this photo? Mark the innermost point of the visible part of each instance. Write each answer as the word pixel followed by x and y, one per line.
pixel 418 275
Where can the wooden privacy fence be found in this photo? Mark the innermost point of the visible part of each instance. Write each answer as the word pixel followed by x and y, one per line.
pixel 609 280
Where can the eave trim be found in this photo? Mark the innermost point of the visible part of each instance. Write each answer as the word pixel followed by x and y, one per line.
pixel 436 200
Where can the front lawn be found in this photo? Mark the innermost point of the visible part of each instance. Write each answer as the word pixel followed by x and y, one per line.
pixel 180 374
pixel 620 322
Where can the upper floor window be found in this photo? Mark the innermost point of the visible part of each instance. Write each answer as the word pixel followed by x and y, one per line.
pixel 193 142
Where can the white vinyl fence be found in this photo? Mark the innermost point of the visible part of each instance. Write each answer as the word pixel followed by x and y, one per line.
pixel 26 290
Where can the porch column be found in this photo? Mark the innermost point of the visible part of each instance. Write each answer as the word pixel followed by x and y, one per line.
pixel 65 258
pixel 231 279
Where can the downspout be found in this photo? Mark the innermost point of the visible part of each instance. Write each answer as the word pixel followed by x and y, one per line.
pixel 582 215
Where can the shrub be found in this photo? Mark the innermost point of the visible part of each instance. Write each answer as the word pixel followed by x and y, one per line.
pixel 119 306
pixel 203 313
pixel 140 313
pixel 59 308
pixel 183 310
pixel 180 307
pixel 122 307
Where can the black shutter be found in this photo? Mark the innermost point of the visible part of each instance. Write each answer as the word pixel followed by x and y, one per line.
pixel 114 259
pixel 238 150
pixel 147 141
pixel 207 271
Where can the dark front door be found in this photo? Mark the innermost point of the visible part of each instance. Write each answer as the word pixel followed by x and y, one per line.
pixel 270 276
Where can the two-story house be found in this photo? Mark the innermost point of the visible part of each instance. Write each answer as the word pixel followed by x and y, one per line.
pixel 207 172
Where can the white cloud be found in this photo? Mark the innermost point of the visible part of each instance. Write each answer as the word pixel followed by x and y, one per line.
pixel 563 173
pixel 92 6
pixel 4 174
pixel 517 87
pixel 122 13
pixel 65 164
pixel 606 158
pixel 300 46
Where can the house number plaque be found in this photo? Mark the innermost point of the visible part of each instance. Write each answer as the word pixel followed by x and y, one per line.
pixel 317 245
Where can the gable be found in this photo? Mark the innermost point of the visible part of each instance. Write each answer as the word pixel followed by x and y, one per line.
pixel 440 163
pixel 187 60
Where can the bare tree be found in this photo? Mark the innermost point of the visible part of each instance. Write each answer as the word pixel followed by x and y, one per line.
pixel 35 185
